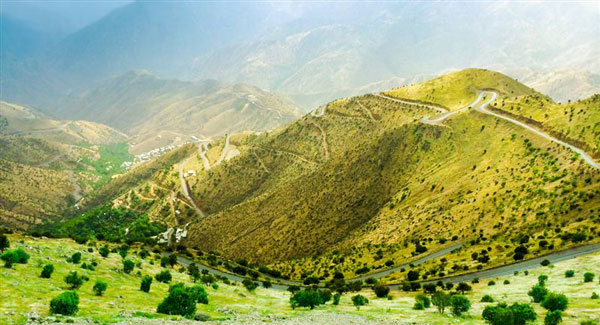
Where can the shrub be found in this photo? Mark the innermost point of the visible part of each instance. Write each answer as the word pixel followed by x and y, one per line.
pixel 506 282
pixel 194 272
pixel 487 298
pixel 545 262
pixel 542 279
pixel 538 293
pixel 99 287
pixel 128 266
pixel 164 276
pixel 588 277
pixel 441 300
pixel 47 271
pixel 430 288
pixel 462 287
pixel 76 258
pixel 336 298
pixel 215 286
pixel 501 314
pixel 412 275
pixel 22 256
pixel 381 290
pixel 422 300
pixel 555 301
pixel 553 317
pixel 569 274
pixel 4 242
pixel 311 280
pixel 359 300
pixel 267 284
pixel 250 285
pixel 306 298
pixel 74 280
pixel 172 259
pixel 293 288
pixel 180 301
pixel 14 256
pixel 199 294
pixel 146 283
pixel 104 251
pixel 67 303
pixel 460 304
pixel 492 283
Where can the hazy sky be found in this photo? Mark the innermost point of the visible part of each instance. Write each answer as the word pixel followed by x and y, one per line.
pixel 59 16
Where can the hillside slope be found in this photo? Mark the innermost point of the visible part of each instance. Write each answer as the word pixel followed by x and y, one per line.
pixel 368 173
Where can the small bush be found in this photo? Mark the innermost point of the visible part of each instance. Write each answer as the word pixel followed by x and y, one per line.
pixel 47 271
pixel 542 279
pixel 492 283
pixel 67 303
pixel 569 274
pixel 99 287
pixel 128 266
pixel 336 298
pixel 199 294
pixel 146 283
pixel 506 282
pixel 249 285
pixel 538 293
pixel 501 314
pixel 545 262
pixel 104 251
pixel 164 276
pixel 359 300
pixel 553 317
pixel 487 298
pixel 555 301
pixel 588 277
pixel 267 284
pixel 462 287
pixel 74 280
pixel 381 290
pixel 422 302
pixel 595 295
pixel 76 258
pixel 459 304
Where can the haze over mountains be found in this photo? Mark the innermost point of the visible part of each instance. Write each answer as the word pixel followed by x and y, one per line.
pixel 311 52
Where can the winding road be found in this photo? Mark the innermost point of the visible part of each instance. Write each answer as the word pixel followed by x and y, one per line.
pixel 185 189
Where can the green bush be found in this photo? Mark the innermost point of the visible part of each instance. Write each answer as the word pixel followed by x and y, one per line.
pixel 267 284
pixel 381 290
pixel 99 287
pixel 128 266
pixel 516 314
pixel 555 301
pixel 250 285
pixel 538 293
pixel 487 298
pixel 74 280
pixel 199 294
pixel 545 262
pixel 306 298
pixel 104 251
pixel 146 283
pixel 164 276
pixel 553 317
pixel 359 300
pixel 47 271
pixel 422 302
pixel 459 304
pixel 542 279
pixel 569 274
pixel 67 303
pixel 462 287
pixel 588 277
pixel 14 256
pixel 76 258
pixel 4 242
pixel 180 301
pixel 595 295
pixel 336 298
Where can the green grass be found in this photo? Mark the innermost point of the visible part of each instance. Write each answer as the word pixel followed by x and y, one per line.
pixel 109 164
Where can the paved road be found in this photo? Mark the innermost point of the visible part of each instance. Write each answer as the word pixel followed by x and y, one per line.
pixel 184 188
pixel 520 266
pixel 203 148
pixel 408 102
pixel 224 151
pixel 483 109
pixel 439 119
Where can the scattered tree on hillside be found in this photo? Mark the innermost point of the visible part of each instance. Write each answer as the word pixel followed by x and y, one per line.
pixel 67 303
pixel 47 271
pixel 99 287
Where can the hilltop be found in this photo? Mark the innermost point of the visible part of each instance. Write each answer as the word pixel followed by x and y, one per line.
pixel 160 111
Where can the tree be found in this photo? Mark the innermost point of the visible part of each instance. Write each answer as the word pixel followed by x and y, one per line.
pixel 555 301
pixel 74 280
pixel 249 285
pixel 412 275
pixel 553 317
pixel 4 242
pixel 569 274
pixel 441 300
pixel 267 284
pixel 9 258
pixel 588 277
pixel 516 314
pixel 359 300
pixel 76 258
pixel 172 260
pixel 199 294
pixel 306 298
pixel 336 298
pixel 430 288
pixel 99 287
pixel 67 303
pixel 146 283
pixel 193 272
pixel 381 290
pixel 164 276
pixel 128 266
pixel 462 287
pixel 542 279
pixel 104 251
pixel 180 301
pixel 538 293
pixel 460 304
pixel 47 271
pixel 311 280
pixel 487 298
